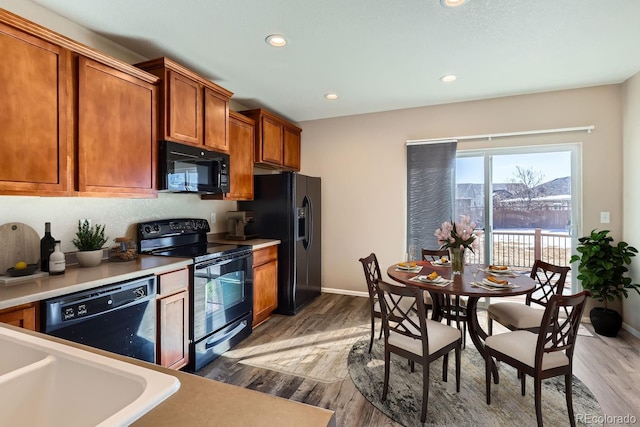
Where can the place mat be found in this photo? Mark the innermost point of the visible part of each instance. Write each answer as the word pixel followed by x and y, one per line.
pixel 443 282
pixel 493 288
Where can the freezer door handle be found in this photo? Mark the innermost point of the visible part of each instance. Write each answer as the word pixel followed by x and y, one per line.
pixel 308 232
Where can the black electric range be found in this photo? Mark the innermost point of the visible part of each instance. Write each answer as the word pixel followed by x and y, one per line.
pixel 183 238
pixel 221 284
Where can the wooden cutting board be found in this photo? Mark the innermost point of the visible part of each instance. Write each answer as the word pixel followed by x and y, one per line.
pixel 18 242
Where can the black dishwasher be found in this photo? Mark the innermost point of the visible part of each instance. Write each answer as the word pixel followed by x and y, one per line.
pixel 120 318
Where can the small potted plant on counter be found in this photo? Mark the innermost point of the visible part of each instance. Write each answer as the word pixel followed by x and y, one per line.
pixel 601 270
pixel 89 240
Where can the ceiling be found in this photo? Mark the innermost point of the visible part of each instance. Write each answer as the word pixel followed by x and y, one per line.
pixel 377 55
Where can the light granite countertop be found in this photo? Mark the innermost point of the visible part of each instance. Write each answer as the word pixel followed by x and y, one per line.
pixel 254 243
pixel 77 279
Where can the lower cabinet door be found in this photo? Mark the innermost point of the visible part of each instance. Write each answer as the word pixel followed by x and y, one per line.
pixel 265 291
pixel 23 316
pixel 173 331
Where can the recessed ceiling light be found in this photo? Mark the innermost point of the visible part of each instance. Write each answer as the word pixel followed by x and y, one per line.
pixel 449 78
pixel 276 40
pixel 452 3
pixel 331 96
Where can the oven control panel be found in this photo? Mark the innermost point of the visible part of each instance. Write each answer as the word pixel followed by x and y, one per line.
pixel 167 228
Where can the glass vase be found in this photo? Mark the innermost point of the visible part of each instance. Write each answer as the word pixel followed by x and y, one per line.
pixel 457 260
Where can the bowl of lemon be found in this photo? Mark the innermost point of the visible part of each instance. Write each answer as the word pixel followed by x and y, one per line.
pixel 22 269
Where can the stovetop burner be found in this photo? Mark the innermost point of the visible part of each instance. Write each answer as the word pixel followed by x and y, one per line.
pixel 183 238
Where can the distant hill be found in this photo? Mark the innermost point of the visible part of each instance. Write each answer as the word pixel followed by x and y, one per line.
pixel 555 187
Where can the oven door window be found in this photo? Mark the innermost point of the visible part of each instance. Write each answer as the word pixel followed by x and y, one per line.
pixel 222 295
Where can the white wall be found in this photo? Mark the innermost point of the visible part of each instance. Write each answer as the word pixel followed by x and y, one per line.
pixel 362 162
pixel 631 191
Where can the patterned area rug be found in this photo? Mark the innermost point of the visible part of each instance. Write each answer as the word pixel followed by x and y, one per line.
pixel 467 408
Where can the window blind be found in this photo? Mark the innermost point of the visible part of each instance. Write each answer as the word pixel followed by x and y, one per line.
pixel 430 191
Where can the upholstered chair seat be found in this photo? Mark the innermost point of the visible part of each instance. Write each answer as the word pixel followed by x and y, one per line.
pixel 515 315
pixel 549 281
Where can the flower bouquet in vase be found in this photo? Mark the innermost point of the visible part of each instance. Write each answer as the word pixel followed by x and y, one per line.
pixel 456 237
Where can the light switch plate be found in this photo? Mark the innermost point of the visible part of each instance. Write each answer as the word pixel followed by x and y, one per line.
pixel 213 218
pixel 605 218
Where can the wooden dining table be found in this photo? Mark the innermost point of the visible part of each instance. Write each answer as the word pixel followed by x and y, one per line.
pixel 463 285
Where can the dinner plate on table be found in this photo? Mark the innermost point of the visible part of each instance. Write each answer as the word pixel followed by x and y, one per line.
pixel 441 264
pixel 496 285
pixel 438 281
pixel 406 267
pixel 500 271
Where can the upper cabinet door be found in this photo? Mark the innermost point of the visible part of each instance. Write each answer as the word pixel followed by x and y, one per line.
pixel 216 121
pixel 34 115
pixel 271 141
pixel 184 109
pixel 116 132
pixel 292 148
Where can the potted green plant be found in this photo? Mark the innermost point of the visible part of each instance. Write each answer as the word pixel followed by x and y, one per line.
pixel 89 240
pixel 601 270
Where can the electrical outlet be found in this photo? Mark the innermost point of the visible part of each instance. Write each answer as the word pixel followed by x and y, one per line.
pixel 213 218
pixel 605 218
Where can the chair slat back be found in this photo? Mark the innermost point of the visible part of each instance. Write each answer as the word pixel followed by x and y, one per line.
pixel 549 281
pixel 560 323
pixel 403 311
pixel 434 254
pixel 372 274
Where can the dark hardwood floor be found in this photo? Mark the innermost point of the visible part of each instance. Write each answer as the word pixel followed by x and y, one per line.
pixel 608 366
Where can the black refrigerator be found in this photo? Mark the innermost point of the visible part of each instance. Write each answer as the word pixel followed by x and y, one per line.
pixel 287 208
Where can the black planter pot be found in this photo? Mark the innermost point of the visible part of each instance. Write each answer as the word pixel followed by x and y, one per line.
pixel 605 322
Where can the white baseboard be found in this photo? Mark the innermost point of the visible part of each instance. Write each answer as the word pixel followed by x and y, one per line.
pixel 346 292
pixel 631 330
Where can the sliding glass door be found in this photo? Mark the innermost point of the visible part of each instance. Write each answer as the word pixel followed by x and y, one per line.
pixel 526 200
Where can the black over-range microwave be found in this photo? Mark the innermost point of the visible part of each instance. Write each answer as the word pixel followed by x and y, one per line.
pixel 188 169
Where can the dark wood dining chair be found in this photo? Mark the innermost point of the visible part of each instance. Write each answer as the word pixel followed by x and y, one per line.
pixel 455 310
pixel 372 274
pixel 515 315
pixel 409 334
pixel 546 354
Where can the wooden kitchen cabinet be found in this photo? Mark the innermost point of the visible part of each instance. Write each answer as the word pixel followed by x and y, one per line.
pixel 117 148
pixel 23 316
pixel 172 348
pixel 35 140
pixel 241 140
pixel 74 121
pixel 277 142
pixel 265 283
pixel 291 155
pixel 193 110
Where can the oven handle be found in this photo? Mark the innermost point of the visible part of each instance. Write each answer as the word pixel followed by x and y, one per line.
pixel 223 260
pixel 225 337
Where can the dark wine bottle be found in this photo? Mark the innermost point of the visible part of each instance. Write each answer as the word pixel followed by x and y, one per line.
pixel 47 246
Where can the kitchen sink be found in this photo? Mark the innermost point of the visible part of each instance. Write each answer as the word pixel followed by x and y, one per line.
pixel 45 383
